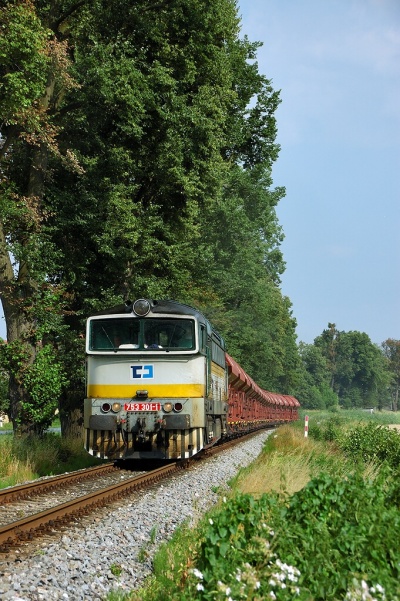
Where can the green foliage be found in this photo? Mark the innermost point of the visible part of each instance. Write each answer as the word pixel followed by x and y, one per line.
pixel 165 192
pixel 4 378
pixel 241 263
pixel 313 388
pixel 115 569
pixel 373 443
pixel 44 380
pixel 330 430
pixel 14 357
pixel 345 368
pixel 334 530
pixel 334 539
pixel 23 60
pixel 321 544
pixel 391 351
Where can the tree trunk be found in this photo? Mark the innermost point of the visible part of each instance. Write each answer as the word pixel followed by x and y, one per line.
pixel 71 415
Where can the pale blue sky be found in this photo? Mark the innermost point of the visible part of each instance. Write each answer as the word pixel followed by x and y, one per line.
pixel 337 64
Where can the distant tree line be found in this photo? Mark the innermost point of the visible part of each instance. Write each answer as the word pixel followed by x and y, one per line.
pixel 347 369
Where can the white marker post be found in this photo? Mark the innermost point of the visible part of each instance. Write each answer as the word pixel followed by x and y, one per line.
pixel 306 427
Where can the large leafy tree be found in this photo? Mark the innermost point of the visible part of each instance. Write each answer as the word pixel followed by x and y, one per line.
pixel 242 264
pixel 33 70
pixel 127 143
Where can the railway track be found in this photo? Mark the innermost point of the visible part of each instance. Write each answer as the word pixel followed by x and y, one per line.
pixel 16 532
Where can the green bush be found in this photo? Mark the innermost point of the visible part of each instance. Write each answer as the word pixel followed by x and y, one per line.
pixel 328 430
pixel 336 530
pixel 335 539
pixel 372 443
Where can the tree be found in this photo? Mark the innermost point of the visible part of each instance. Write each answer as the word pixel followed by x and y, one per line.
pixel 33 69
pixel 391 350
pixel 242 264
pixel 356 367
pixel 328 342
pixel 313 389
pixel 134 131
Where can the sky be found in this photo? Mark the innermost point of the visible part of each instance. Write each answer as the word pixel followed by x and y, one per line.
pixel 337 66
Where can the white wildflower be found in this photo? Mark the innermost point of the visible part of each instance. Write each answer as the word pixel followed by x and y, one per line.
pixel 197 573
pixel 200 587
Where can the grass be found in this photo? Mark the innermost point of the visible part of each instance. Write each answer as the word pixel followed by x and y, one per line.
pixel 348 417
pixel 24 459
pixel 288 468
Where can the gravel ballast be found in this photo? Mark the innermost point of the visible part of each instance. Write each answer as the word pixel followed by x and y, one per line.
pixel 79 564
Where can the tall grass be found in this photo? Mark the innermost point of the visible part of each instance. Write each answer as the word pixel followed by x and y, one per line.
pixel 27 458
pixel 287 463
pixel 12 469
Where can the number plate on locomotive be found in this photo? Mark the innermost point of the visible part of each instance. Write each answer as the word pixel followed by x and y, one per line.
pixel 142 406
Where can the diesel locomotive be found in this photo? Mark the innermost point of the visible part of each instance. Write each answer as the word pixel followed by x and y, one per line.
pixel 160 385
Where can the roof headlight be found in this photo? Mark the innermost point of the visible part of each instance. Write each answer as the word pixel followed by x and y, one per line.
pixel 167 407
pixel 116 407
pixel 141 307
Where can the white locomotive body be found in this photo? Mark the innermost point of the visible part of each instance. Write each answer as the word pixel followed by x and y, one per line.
pixel 157 384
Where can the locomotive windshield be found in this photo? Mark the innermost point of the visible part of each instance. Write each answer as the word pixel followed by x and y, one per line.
pixel 147 334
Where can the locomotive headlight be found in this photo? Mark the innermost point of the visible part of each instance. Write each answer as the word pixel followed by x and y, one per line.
pixel 141 307
pixel 106 407
pixel 167 407
pixel 178 407
pixel 116 407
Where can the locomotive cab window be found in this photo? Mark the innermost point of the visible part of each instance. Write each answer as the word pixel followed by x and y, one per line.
pixel 146 334
pixel 111 334
pixel 175 334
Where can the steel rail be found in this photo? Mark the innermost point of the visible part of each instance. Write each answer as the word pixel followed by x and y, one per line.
pixel 22 491
pixel 25 529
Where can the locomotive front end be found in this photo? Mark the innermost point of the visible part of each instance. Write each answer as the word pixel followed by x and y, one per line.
pixel 147 382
